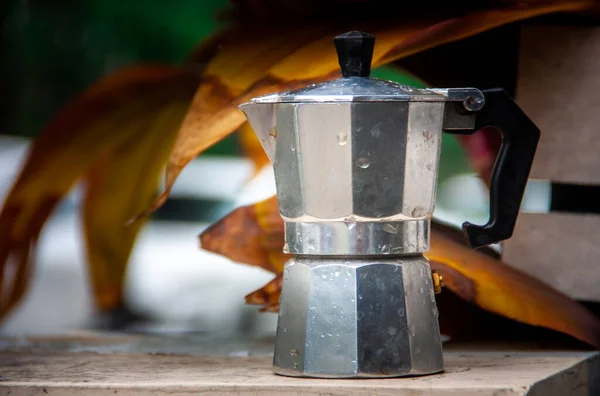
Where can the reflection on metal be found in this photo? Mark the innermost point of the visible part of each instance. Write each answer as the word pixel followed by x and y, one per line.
pixel 358 318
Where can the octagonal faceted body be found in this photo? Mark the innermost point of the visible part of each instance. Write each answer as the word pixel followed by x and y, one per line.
pixel 358 318
pixel 365 159
pixel 368 163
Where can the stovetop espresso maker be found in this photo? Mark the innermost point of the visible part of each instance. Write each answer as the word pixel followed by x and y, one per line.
pixel 356 164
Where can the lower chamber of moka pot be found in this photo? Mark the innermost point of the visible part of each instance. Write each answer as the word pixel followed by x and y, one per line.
pixel 359 318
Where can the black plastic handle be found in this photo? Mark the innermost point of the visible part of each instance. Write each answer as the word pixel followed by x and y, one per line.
pixel 520 137
pixel 355 52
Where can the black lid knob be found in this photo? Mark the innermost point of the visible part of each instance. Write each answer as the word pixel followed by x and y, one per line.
pixel 355 51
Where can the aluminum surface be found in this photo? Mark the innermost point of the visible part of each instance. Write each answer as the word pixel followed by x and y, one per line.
pixel 359 89
pixel 354 162
pixel 361 238
pixel 357 318
pixel 353 89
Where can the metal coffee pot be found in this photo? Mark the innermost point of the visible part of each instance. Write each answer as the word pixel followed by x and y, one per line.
pixel 356 163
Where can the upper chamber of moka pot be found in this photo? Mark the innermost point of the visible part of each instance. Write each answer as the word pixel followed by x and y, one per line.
pixel 356 158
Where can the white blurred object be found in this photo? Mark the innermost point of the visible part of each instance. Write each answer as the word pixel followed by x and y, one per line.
pixel 462 198
pixel 260 187
pixel 185 285
pixel 466 197
pixel 205 176
pixel 58 296
pixel 189 286
pixel 169 276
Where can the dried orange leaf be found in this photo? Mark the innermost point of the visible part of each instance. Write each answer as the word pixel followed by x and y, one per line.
pixel 256 59
pixel 252 148
pixel 127 185
pixel 249 234
pixel 498 288
pixel 474 276
pixel 267 296
pixel 130 119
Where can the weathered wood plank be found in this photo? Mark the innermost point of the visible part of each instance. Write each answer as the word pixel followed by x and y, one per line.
pixel 52 368
pixel 560 249
pixel 558 84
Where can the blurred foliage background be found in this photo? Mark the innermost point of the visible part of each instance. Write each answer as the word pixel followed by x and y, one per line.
pixel 50 51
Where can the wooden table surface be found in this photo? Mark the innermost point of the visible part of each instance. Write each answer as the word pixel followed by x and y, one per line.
pixel 96 364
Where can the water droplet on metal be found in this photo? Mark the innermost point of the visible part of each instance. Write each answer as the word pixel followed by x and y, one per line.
pixel 392 331
pixel 337 273
pixel 375 131
pixel 390 228
pixel 294 352
pixel 401 312
pixel 363 162
pixel 412 330
pixel 342 138
pixel 273 132
pixel 350 222
pixel 295 365
pixel 385 249
pixel 286 248
pixel 361 315
pixel 329 335
pixel 421 290
pixel 397 250
pixel 293 148
pixel 285 329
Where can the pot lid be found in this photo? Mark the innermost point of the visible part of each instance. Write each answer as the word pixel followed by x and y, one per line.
pixel 355 51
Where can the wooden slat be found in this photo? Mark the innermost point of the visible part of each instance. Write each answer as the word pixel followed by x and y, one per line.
pixel 467 374
pixel 560 249
pixel 558 86
pixel 85 364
